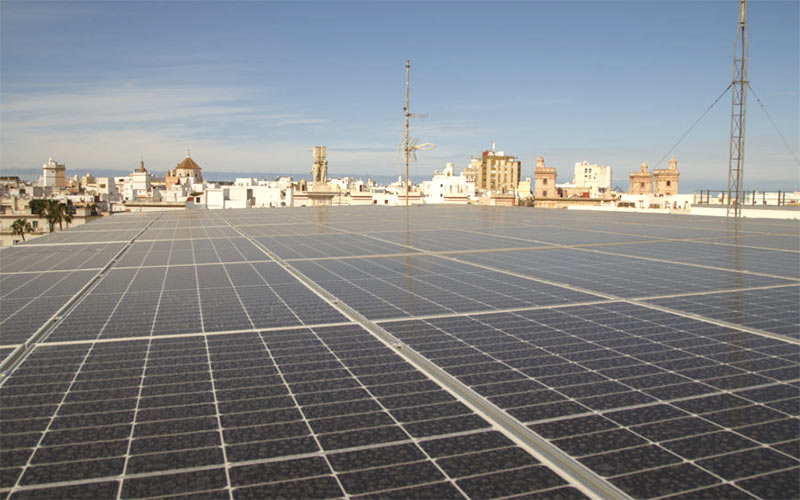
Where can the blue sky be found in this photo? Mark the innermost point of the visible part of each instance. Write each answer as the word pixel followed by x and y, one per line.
pixel 252 86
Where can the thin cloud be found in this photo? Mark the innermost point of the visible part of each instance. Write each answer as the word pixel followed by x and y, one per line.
pixel 123 105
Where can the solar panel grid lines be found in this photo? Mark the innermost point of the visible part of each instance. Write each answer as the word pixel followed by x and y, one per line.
pixel 656 399
pixel 542 450
pixel 130 438
pixel 587 414
pixel 551 454
pixel 303 415
pixel 786 243
pixel 791 328
pixel 251 290
pixel 101 321
pixel 780 242
pixel 37 259
pixel 199 297
pixel 689 295
pixel 328 245
pixel 422 301
pixel 382 407
pixel 44 300
pixel 60 308
pixel 539 279
pixel 220 433
pixel 772 261
pixel 425 290
pixel 631 277
pixel 461 285
pixel 749 308
pixel 38 443
pixel 696 225
pixel 139 475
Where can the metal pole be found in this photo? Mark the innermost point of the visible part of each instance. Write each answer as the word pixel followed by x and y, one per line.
pixel 408 114
pixel 738 109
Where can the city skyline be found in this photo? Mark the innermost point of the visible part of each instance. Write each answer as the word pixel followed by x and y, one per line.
pixel 250 87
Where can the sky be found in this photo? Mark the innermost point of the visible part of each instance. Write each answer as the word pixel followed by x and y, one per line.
pixel 252 86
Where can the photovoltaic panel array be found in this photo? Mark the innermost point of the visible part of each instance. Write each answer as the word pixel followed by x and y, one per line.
pixel 379 352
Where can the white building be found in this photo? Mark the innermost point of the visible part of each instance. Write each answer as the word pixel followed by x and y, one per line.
pixel 141 178
pixel 137 185
pixel 594 178
pixel 445 187
pixel 53 174
pixel 656 202
pixel 246 192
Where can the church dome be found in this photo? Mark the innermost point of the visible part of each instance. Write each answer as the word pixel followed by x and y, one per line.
pixel 188 164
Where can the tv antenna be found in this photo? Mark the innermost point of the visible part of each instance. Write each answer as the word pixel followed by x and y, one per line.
pixel 412 145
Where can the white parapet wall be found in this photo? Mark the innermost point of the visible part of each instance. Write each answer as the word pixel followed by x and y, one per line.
pixel 790 212
pixel 756 212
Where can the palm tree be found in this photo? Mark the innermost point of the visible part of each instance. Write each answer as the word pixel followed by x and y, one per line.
pixel 63 214
pixel 67 213
pixel 45 209
pixel 37 207
pixel 20 227
pixel 52 213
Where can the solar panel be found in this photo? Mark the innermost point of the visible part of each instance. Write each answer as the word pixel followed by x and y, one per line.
pixel 433 352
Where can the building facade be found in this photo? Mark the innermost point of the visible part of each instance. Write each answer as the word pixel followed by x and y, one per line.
pixel 666 180
pixel 641 181
pixel 446 187
pixel 53 174
pixel 186 171
pixel 596 179
pixel 495 171
pixel 544 180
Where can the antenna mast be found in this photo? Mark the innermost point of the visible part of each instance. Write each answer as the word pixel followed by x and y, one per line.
pixel 412 145
pixel 738 108
pixel 408 115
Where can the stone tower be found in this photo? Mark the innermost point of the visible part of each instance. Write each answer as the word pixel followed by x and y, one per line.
pixel 319 170
pixel 545 180
pixel 666 180
pixel 641 181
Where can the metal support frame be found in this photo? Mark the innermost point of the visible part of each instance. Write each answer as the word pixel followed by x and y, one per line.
pixel 739 86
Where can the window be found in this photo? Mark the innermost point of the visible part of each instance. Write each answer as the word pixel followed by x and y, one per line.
pixel 35 224
pixel 642 185
pixel 544 194
pixel 669 183
pixel 544 181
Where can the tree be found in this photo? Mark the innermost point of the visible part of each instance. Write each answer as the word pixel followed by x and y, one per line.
pixel 44 209
pixel 20 227
pixel 37 207
pixel 51 211
pixel 62 213
pixel 67 213
pixel 54 211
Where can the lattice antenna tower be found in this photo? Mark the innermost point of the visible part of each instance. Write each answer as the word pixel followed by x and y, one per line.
pixel 410 146
pixel 738 109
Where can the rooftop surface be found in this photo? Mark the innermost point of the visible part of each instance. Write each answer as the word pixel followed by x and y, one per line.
pixel 428 352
